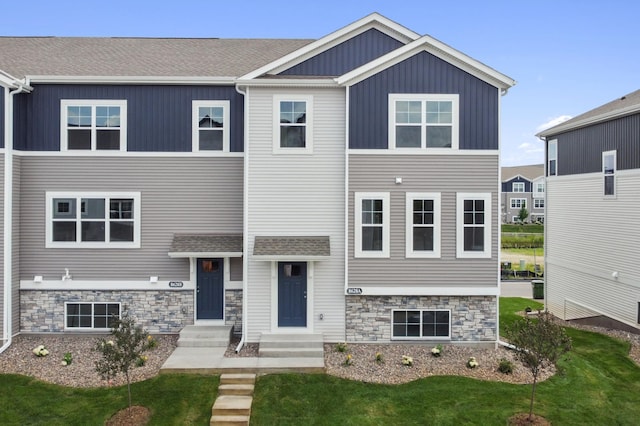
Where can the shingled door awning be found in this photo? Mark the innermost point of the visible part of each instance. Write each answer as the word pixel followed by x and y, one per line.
pixel 291 248
pixel 206 245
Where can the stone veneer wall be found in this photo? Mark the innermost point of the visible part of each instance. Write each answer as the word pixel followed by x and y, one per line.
pixel 157 311
pixel 233 310
pixel 473 318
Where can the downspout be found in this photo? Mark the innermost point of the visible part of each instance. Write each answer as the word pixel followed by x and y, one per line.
pixel 346 206
pixel 8 212
pixel 245 223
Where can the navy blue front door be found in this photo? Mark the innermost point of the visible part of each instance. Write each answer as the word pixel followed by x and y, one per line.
pixel 210 290
pixel 292 294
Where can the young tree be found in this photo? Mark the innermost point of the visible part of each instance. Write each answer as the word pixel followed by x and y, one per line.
pixel 124 350
pixel 539 342
pixel 523 214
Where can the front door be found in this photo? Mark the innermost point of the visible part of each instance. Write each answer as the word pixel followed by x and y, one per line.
pixel 210 290
pixel 292 294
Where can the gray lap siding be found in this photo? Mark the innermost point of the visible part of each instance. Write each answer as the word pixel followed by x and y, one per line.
pixel 177 195
pixel 447 175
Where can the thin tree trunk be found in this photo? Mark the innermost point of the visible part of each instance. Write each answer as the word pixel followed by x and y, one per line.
pixel 533 392
pixel 129 389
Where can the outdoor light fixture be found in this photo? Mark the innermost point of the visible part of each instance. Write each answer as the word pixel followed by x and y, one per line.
pixel 153 280
pixel 398 180
pixel 37 279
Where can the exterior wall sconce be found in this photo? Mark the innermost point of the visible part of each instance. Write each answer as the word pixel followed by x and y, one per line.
pixel 37 279
pixel 67 276
pixel 398 180
pixel 615 275
pixel 153 280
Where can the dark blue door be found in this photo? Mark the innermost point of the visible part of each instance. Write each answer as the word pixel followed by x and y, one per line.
pixel 210 290
pixel 292 294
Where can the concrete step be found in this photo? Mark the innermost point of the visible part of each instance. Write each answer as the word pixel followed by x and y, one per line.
pixel 237 379
pixel 194 336
pixel 229 420
pixel 232 405
pixel 301 339
pixel 235 389
pixel 291 352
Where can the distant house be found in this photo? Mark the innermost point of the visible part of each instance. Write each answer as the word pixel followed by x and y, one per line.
pixel 592 229
pixel 522 186
pixel 345 187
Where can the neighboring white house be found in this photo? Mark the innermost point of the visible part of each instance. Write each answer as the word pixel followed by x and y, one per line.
pixel 592 227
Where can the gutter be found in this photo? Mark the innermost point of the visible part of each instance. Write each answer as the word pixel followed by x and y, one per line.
pixel 20 87
pixel 245 223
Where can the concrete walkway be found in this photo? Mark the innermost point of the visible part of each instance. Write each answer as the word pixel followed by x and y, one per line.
pixel 520 288
pixel 213 361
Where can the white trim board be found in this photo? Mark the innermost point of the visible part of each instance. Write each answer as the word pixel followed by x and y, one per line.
pixel 426 291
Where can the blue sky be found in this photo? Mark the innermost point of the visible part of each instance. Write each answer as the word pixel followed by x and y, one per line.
pixel 567 56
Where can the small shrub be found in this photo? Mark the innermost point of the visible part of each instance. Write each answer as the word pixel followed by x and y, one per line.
pixel 341 347
pixel 40 351
pixel 151 342
pixel 379 357
pixel 407 360
pixel 349 360
pixel 141 361
pixel 472 363
pixel 437 351
pixel 505 366
pixel 67 359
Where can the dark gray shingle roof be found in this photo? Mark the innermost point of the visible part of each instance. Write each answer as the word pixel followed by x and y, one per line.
pixel 206 243
pixel 157 57
pixel 292 246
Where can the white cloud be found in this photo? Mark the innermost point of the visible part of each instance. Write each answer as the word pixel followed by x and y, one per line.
pixel 552 122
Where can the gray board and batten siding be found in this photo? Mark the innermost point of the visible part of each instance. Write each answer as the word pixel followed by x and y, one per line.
pixel 447 175
pixel 508 186
pixel 1 117
pixel 347 56
pixel 369 104
pixel 580 151
pixel 178 195
pixel 158 117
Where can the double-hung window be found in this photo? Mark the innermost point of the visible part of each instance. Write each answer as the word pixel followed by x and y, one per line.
pixel 609 173
pixel 293 127
pixel 372 224
pixel 210 126
pixel 93 125
pixel 423 121
pixel 91 315
pixel 552 158
pixel 421 324
pixel 538 203
pixel 538 189
pixel 109 220
pixel 473 225
pixel 423 224
pixel 518 187
pixel 518 203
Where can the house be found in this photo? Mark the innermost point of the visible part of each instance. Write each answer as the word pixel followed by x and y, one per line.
pixel 592 226
pixel 522 186
pixel 346 186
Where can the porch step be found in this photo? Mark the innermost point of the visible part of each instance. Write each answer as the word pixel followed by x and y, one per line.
pixel 291 346
pixel 231 408
pixel 210 336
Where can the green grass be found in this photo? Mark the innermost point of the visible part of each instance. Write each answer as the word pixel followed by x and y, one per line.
pixel 599 384
pixel 172 399
pixel 539 252
pixel 528 228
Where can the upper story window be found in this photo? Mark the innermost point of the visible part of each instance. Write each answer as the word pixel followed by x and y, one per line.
pixel 210 124
pixel 94 220
pixel 423 224
pixel 518 187
pixel 371 224
pixel 93 125
pixel 538 188
pixel 473 225
pixel 552 158
pixel 423 121
pixel 293 129
pixel 609 172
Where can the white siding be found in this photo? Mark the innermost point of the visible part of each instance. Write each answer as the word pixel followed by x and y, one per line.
pixel 300 194
pixel 588 238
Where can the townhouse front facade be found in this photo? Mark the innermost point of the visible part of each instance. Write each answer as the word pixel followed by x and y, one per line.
pixel 346 186
pixel 523 186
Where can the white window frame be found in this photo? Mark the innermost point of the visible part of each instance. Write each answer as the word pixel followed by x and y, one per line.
pixel 538 189
pixel 606 154
pixel 554 143
pixel 78 196
pixel 308 148
pixel 520 187
pixel 460 198
pixel 410 198
pixel 195 124
pixel 93 103
pixel 421 337
pixel 386 235
pixel 424 97
pixel 518 203
pixel 538 203
pixel 66 304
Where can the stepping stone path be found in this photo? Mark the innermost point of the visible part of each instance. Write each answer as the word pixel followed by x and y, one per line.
pixel 235 395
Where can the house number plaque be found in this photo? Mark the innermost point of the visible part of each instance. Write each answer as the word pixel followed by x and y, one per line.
pixel 354 290
pixel 176 284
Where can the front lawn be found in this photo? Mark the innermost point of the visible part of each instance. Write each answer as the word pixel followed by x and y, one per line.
pixel 599 385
